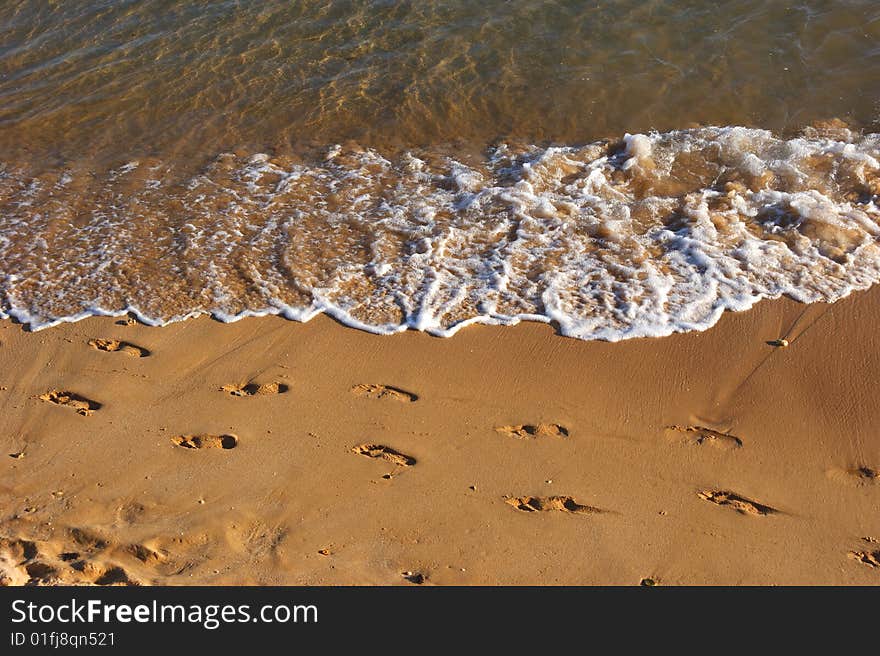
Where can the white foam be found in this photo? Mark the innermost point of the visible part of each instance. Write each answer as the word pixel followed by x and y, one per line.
pixel 608 244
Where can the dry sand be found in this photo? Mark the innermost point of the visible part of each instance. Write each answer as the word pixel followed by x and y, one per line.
pixel 272 452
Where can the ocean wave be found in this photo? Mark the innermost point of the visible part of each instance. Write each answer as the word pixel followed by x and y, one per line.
pixel 645 236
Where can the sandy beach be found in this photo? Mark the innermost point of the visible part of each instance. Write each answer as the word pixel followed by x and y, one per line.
pixel 273 452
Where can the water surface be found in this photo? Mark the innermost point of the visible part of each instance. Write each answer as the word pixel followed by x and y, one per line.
pixel 618 168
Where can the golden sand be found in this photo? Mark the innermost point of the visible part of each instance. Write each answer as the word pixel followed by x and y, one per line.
pixel 701 458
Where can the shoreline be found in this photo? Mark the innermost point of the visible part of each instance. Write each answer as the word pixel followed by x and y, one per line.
pixel 775 483
pixel 643 237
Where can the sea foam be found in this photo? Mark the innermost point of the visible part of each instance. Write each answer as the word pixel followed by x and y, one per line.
pixel 650 235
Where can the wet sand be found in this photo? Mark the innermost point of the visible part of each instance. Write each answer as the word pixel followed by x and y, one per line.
pixel 273 452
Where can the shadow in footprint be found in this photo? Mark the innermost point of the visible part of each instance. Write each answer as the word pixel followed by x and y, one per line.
pixel 370 391
pixel 414 577
pixel 384 453
pixel 114 576
pixel 118 346
pixel 145 554
pixel 253 389
pixel 528 431
pixel 81 404
pixel 705 436
pixel 869 558
pixel 40 572
pixel 739 503
pixel 204 441
pixel 549 504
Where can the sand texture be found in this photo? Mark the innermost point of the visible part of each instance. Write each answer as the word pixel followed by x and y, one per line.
pixel 273 452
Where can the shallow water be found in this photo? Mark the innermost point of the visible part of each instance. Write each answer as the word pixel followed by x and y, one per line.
pixel 174 158
pixel 177 79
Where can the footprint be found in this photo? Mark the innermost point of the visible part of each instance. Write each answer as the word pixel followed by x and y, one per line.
pixel 53 562
pixel 546 504
pixel 82 405
pixel 145 554
pixel 869 558
pixel 385 453
pixel 86 540
pixel 735 501
pixel 253 389
pixel 204 441
pixel 700 435
pixel 96 573
pixel 18 550
pixel 17 565
pixel 858 476
pixel 526 431
pixel 414 577
pixel 117 346
pixel 258 540
pixel 130 513
pixel 114 575
pixel 41 573
pixel 383 392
